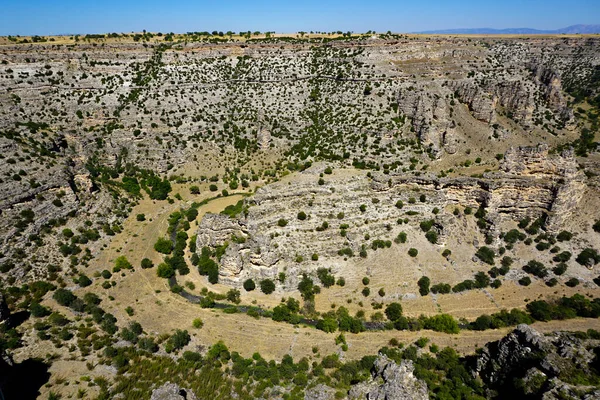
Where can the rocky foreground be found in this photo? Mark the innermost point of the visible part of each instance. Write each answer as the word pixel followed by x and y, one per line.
pixel 524 364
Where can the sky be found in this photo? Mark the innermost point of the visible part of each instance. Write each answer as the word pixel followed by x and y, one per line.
pixel 53 17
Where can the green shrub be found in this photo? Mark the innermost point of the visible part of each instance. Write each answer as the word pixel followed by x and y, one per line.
pixel 267 286
pixel 486 255
pixel 393 311
pixel 84 281
pixel 327 280
pixel 432 237
pixel 442 288
pixel 249 285
pixel 564 236
pixel 426 225
pixel 413 252
pixel 165 271
pixel 442 323
pixel 525 281
pixel 588 257
pixel 401 238
pixel 536 268
pixel 147 263
pixel 282 222
pixel 64 297
pixel 424 283
pixel 572 282
pixel 163 246
pixel 560 269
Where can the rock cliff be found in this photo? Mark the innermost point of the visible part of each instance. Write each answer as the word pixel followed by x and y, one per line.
pixel 390 381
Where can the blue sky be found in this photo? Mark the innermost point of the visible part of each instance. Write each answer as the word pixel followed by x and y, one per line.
pixel 45 17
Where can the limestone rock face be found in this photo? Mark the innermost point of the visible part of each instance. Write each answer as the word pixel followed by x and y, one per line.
pixel 171 391
pixel 391 381
pixel 481 104
pixel 430 116
pixel 320 392
pixel 535 360
pixel 531 182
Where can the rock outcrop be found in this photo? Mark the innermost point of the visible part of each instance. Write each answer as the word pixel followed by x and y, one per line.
pixel 526 362
pixel 352 206
pixel 171 391
pixel 390 381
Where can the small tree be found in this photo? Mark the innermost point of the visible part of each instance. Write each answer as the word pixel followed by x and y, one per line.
pixel 122 263
pixel 267 286
pixel 424 283
pixel 163 245
pixel 393 311
pixel 249 285
pixel 84 281
pixel 165 271
pixel 147 263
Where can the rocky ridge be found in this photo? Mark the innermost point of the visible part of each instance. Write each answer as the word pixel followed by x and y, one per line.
pixel 530 183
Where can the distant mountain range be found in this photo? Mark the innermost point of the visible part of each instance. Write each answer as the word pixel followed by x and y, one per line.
pixel 518 31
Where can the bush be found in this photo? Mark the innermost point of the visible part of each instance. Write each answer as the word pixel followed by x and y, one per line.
pixel 64 297
pixel 140 217
pixel 366 291
pixel 513 236
pixel 84 281
pixel 282 222
pixel 572 282
pixel 442 323
pixel 213 188
pixel 432 237
pixel 525 281
pixel 366 280
pixel 233 295
pixel 413 252
pixel 596 226
pixel 424 283
pixel 482 280
pixel 194 189
pixel 562 257
pixel 536 268
pixel 426 225
pixel 301 215
pixel 165 271
pixel 178 340
pixel 393 311
pixel 197 323
pixel 122 263
pixel 486 255
pixel 249 285
pixel 147 263
pixel 163 246
pixel 37 310
pixel 442 288
pixel 588 257
pixel 564 236
pixel 267 286
pixel 560 269
pixel 401 238
pixel 327 280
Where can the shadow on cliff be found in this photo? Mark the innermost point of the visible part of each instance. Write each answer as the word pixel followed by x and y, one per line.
pixel 24 380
